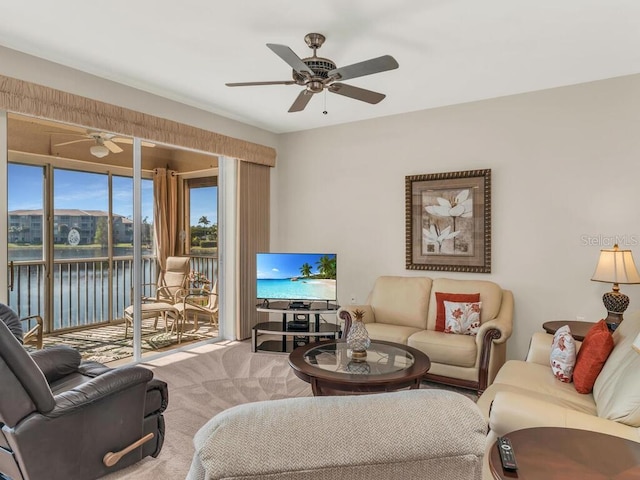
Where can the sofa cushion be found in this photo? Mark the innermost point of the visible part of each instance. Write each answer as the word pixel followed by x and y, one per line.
pixel 457 350
pixel 390 333
pixel 490 296
pixel 563 354
pixel 617 388
pixel 595 350
pixel 401 300
pixel 441 297
pixel 538 381
pixel 462 318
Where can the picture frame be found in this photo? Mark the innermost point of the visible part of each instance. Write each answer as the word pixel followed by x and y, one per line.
pixel 448 221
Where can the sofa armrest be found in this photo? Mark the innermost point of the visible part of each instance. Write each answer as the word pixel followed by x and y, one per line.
pixel 512 411
pixel 346 315
pixel 57 361
pixel 540 348
pixel 109 383
pixel 369 317
pixel 503 322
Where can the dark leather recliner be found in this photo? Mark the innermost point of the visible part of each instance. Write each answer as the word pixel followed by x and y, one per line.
pixel 61 418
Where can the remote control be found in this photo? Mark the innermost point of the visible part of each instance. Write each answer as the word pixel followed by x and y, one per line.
pixel 507 457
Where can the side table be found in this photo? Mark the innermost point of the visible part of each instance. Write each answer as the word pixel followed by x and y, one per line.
pixel 553 453
pixel 578 328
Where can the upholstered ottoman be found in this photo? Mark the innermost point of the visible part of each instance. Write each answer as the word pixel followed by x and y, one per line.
pixel 407 434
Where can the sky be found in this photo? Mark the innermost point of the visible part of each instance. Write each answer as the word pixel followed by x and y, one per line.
pixel 89 191
pixel 286 265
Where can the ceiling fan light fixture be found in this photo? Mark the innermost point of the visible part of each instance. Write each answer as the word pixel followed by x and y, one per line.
pixel 99 151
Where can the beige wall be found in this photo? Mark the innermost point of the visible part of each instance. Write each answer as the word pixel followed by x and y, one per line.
pixel 565 166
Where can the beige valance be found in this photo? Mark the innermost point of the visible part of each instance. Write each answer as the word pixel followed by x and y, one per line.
pixel 27 98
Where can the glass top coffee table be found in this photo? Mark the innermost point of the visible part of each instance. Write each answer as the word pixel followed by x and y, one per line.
pixel 330 370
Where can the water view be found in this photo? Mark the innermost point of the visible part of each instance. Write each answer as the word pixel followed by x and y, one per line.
pixel 81 283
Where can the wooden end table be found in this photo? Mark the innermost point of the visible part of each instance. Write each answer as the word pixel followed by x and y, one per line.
pixel 553 453
pixel 330 370
pixel 578 328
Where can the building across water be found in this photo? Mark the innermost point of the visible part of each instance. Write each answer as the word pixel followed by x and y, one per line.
pixel 70 226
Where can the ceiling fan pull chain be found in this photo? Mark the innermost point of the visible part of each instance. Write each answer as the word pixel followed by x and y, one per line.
pixel 325 103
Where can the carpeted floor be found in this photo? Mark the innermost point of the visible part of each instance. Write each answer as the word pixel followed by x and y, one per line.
pixel 203 382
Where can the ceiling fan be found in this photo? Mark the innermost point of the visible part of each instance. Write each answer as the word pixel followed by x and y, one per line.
pixel 317 74
pixel 104 142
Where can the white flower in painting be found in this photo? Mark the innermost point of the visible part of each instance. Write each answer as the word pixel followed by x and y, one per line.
pixel 432 235
pixel 462 206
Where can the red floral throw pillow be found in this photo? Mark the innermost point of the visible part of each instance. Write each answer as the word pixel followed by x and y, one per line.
pixel 450 297
pixel 595 350
pixel 563 354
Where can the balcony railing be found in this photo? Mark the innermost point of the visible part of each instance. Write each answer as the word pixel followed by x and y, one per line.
pixel 84 291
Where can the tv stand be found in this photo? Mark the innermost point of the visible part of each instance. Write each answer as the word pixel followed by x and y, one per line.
pixel 297 327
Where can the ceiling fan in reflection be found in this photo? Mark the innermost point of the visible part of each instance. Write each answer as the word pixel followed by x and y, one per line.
pixel 104 143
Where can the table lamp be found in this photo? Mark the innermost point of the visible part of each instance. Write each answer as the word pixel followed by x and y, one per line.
pixel 615 266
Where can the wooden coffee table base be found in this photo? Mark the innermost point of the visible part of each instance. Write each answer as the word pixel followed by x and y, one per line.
pixel 552 453
pixel 381 376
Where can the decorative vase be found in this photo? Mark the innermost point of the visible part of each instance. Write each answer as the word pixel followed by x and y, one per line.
pixel 358 338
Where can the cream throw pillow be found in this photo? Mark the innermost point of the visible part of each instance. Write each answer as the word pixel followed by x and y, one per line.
pixel 617 388
pixel 462 317
pixel 563 354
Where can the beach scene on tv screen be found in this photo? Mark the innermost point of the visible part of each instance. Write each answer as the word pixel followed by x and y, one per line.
pixel 296 276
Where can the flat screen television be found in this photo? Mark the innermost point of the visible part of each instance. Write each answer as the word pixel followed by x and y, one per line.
pixel 297 277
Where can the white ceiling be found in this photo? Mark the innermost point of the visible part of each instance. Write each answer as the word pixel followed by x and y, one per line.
pixel 449 51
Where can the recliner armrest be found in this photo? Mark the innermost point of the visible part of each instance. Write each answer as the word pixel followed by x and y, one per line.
pixel 90 368
pixel 109 383
pixel 57 362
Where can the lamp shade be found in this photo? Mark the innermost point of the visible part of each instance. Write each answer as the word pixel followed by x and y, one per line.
pixel 616 266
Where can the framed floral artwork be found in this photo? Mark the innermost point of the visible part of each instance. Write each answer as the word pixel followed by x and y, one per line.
pixel 448 221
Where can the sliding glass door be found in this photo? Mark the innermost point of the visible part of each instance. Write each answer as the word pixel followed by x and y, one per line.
pixel 72 229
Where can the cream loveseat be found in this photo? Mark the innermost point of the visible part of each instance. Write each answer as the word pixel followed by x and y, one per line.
pixel 407 434
pixel 403 310
pixel 526 393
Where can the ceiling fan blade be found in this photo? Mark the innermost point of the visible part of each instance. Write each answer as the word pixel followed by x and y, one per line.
pixel 73 141
pixel 113 148
pixel 73 134
pixel 301 101
pixel 289 56
pixel 129 141
pixel 356 92
pixel 250 84
pixel 374 65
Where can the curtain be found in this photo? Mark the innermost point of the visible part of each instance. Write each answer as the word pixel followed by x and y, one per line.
pixel 165 213
pixel 252 237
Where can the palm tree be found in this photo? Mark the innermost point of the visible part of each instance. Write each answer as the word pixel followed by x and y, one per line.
pixel 204 221
pixel 327 266
pixel 305 270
